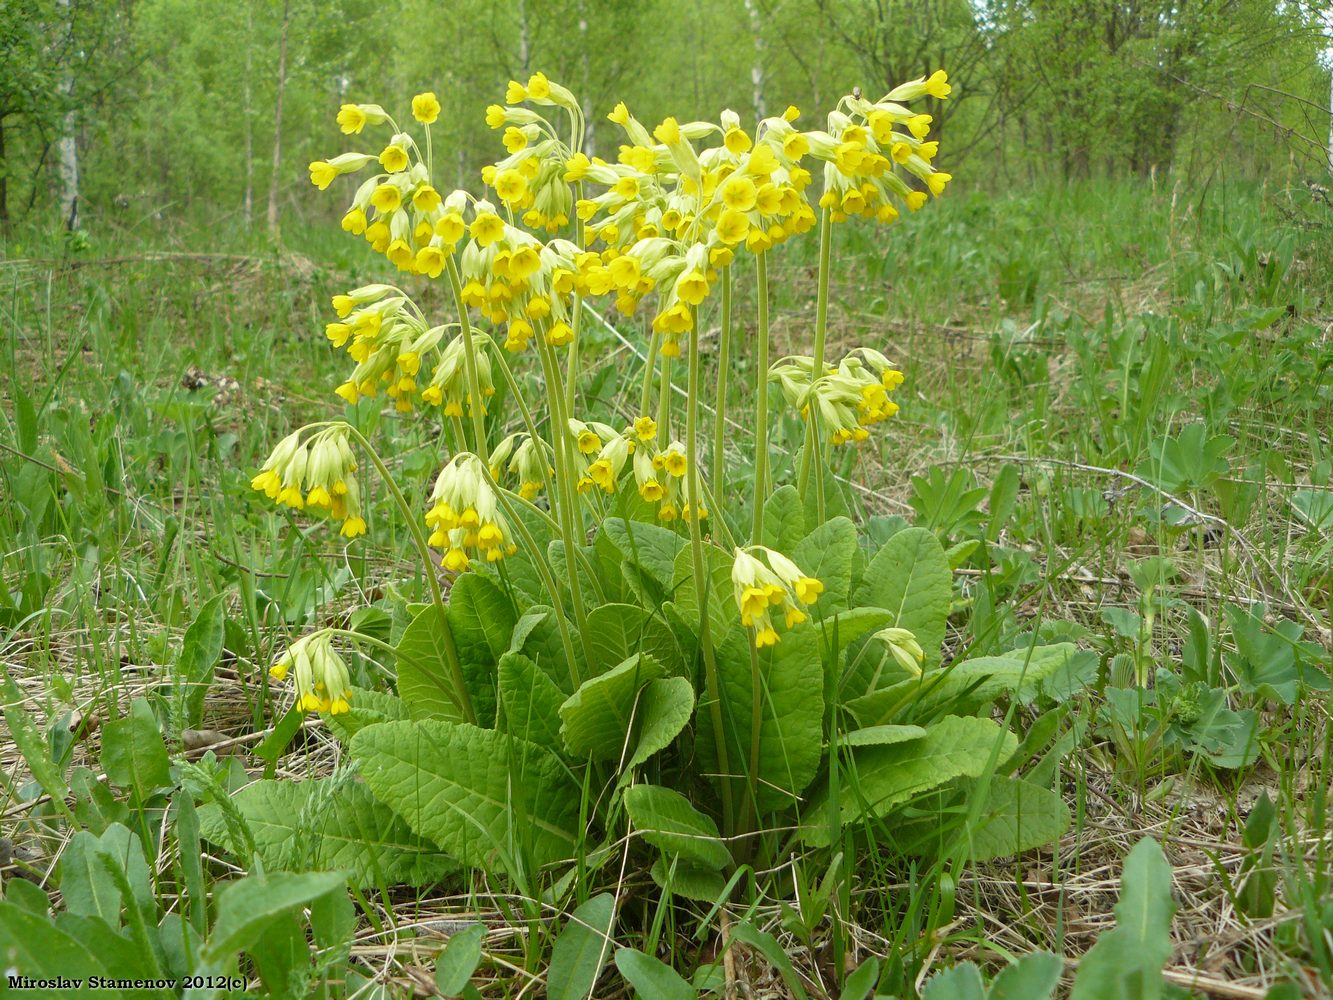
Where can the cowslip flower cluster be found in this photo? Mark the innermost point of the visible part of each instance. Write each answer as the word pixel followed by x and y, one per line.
pixel 465 516
pixel 315 474
pixel 845 400
pixel 760 589
pixel 322 681
pixel 524 458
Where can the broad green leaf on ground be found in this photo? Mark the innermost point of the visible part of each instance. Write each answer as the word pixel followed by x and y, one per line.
pixel 722 610
pixel 667 820
pixel 882 777
pixel 881 736
pixel 482 618
pixel 368 707
pixel 652 977
pixel 133 754
pixel 1189 461
pixel 665 707
pixel 910 577
pixel 596 719
pixel 478 794
pixel 1126 963
pixel 844 628
pixel 582 949
pixel 327 824
pixel 689 879
pixel 84 885
pixel 459 960
pixel 425 683
pixel 247 907
pixel 1032 977
pixel 200 651
pixel 827 554
pixel 529 701
pixel 964 686
pixel 789 683
pixel 961 982
pixel 784 519
pixel 861 983
pixel 1017 816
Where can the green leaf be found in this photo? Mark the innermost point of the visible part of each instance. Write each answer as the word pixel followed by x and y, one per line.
pixel 652 977
pixel 72 947
pixel 827 554
pixel 847 626
pixel 665 707
pixel 881 735
pixel 618 631
pixel 133 754
pixel 85 886
pixel 596 719
pixel 425 683
pixel 789 683
pixel 368 707
pixel 326 824
pixel 965 686
pixel 1032 977
pixel 28 738
pixel 765 943
pixel 722 610
pixel 649 552
pixel 1017 817
pixel 1126 963
pixel 529 701
pixel 883 777
pixel 477 793
pixel 537 636
pixel 784 519
pixel 1003 500
pixel 679 877
pixel 581 950
pixel 459 960
pixel 962 982
pixel 910 577
pixel 247 908
pixel 665 819
pixel 861 983
pixel 199 656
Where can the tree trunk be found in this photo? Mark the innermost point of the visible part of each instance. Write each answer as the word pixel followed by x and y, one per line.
pixel 4 184
pixel 67 146
pixel 523 46
pixel 276 180
pixel 757 67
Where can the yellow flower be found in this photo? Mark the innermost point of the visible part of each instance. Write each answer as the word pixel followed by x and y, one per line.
pixel 795 146
pixel 425 108
pixel 515 93
pixel 919 125
pixel 792 113
pixel 351 119
pixel 692 287
pixel 322 174
pixel 511 186
pixel 354 222
pixel 559 334
pixel 915 199
pixel 426 199
pixel 737 141
pixel 619 114
pixel 387 198
pixel 645 428
pixel 430 261
pixel 514 139
pixel 738 193
pixel 667 133
pixel 539 88
pixel 732 226
pixel 936 182
pixel 486 228
pixel 450 228
pixel 937 85
pixel 394 158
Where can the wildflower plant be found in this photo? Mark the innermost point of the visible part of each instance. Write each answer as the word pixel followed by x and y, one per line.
pixel 630 636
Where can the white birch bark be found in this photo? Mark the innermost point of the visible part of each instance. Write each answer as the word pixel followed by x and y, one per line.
pixel 67 146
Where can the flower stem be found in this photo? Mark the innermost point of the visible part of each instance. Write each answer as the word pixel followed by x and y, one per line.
pixel 701 578
pixel 720 423
pixel 463 698
pixel 761 402
pixel 821 330
pixel 477 403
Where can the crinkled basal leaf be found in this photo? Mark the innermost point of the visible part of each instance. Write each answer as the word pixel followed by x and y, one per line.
pixel 582 949
pixel 790 683
pixel 529 701
pixel 477 793
pixel 685 878
pixel 881 736
pixel 668 821
pixel 665 708
pixel 537 636
pixel 425 683
pixel 888 776
pixel 910 577
pixel 784 519
pixel 827 554
pixel 618 631
pixel 722 610
pixel 596 719
pixel 1015 816
pixel 964 686
pixel 368 707
pixel 846 627
pixel 328 823
pixel 482 618
pixel 650 550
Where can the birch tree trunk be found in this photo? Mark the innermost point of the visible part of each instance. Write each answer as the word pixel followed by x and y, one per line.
pixel 248 202
pixel 757 67
pixel 67 146
pixel 276 180
pixel 523 53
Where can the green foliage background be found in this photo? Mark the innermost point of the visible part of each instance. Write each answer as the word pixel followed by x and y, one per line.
pixel 174 102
